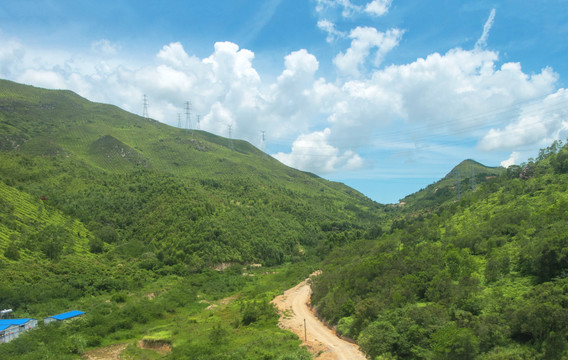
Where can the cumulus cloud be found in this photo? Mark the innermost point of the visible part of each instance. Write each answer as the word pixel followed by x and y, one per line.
pixel 512 160
pixel 539 123
pixel 43 78
pixel 312 152
pixel 449 94
pixel 11 53
pixel 364 40
pixel 289 101
pixel 378 7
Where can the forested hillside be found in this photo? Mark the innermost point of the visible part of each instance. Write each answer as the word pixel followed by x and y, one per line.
pixel 484 277
pixel 102 205
pixel 179 197
pixel 126 219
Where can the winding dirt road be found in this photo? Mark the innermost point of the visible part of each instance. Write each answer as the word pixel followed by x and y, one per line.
pixel 322 341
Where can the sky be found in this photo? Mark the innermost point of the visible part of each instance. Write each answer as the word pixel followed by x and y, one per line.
pixel 386 96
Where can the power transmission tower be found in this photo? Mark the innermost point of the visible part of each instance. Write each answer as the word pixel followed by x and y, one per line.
pixel 473 183
pixel 188 115
pixel 198 118
pixel 145 111
pixel 179 120
pixel 231 137
pixel 262 141
pixel 458 185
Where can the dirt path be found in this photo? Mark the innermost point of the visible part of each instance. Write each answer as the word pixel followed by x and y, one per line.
pixel 111 352
pixel 322 341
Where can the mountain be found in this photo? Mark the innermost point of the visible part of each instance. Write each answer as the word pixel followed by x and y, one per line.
pixel 124 218
pixel 463 178
pixel 187 196
pixel 480 278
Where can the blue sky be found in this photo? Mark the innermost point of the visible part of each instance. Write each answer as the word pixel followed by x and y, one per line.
pixel 386 96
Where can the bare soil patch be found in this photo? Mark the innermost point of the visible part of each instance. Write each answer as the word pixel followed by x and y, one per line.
pixel 111 352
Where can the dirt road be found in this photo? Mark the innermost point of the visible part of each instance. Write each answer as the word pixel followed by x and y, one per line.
pixel 322 341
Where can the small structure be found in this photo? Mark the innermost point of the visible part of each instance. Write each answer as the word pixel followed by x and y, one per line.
pixel 12 328
pixel 65 316
pixel 6 314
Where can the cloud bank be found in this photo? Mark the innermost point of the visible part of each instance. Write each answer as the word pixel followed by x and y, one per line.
pixel 329 119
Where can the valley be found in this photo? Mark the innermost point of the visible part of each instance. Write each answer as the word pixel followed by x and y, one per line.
pixel 126 219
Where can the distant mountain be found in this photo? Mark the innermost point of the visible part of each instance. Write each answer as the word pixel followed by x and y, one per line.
pixel 462 179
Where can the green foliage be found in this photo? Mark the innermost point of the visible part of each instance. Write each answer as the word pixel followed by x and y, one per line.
pixel 482 278
pixel 257 310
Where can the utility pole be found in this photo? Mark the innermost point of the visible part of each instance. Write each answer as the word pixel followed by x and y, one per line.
pixel 305 332
pixel 145 110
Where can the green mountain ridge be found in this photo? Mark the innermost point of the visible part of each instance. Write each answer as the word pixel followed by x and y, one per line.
pixel 479 278
pixel 85 158
pixel 125 218
pixel 463 178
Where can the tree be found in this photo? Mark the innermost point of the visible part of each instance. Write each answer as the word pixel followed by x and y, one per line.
pixel 379 338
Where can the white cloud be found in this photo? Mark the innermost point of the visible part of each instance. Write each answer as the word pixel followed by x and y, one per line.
pixel 364 40
pixel 174 54
pixel 312 152
pixel 539 123
pixel 43 78
pixel 446 95
pixel 482 41
pixel 11 53
pixel 329 28
pixel 348 9
pixel 378 7
pixel 105 47
pixel 512 160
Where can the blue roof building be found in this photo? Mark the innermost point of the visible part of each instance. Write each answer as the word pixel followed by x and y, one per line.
pixel 65 316
pixel 12 328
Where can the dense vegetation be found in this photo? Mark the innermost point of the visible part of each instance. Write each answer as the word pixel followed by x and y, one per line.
pixel 481 278
pixel 100 205
pixel 126 218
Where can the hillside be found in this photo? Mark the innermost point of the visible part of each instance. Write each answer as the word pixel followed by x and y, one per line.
pixel 176 193
pixel 463 178
pixel 125 218
pixel 482 278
